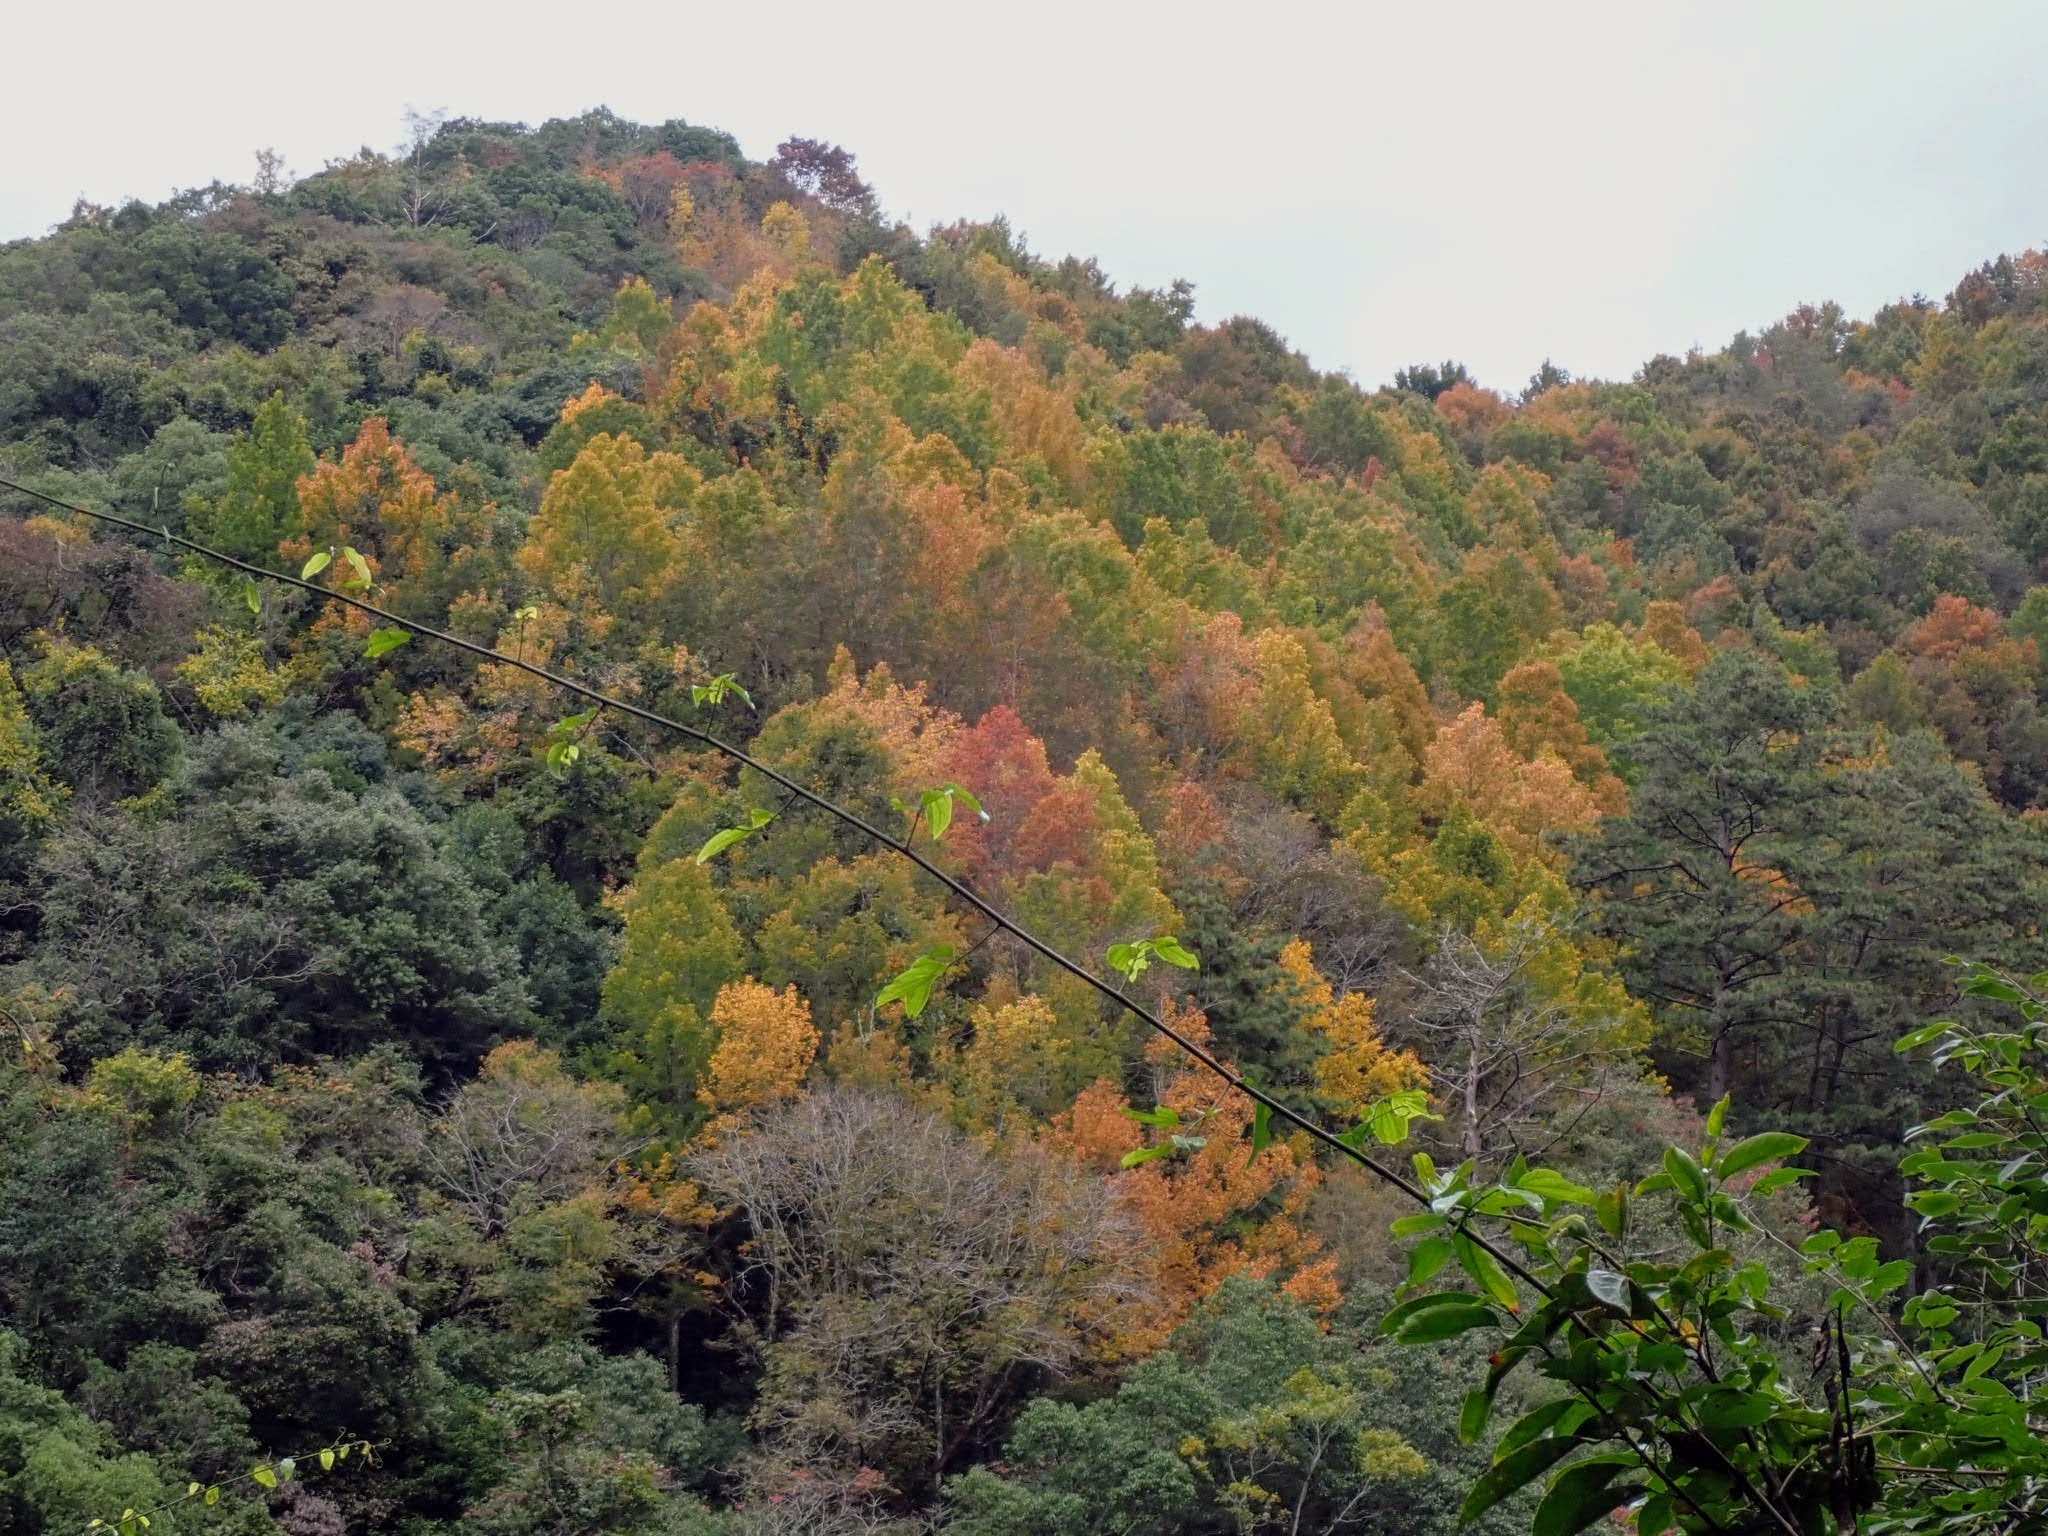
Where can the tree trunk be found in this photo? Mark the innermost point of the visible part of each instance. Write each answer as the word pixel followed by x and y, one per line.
pixel 1473 1045
pixel 1720 1059
pixel 675 1350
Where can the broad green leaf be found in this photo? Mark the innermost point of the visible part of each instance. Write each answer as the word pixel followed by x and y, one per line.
pixel 190 1490
pixel 1446 1323
pixel 1162 1116
pixel 718 842
pixel 1732 1408
pixel 1485 1268
pixel 250 595
pixel 1994 987
pixel 384 641
pixel 1666 1356
pixel 1752 1151
pixel 286 1468
pixel 1389 1125
pixel 1127 960
pixel 1654 1518
pixel 1412 1102
pixel 1613 1210
pixel 1532 1424
pixel 213 1494
pixel 714 692
pixel 1717 1117
pixel 1609 1287
pixel 1415 1306
pixel 1173 952
pixel 1420 1222
pixel 1262 1127
pixel 1472 1414
pixel 1920 1037
pixel 1554 1186
pixel 968 800
pixel 358 564
pixel 1685 1173
pixel 1975 1141
pixel 327 1460
pixel 1137 1155
pixel 1428 1259
pixel 1778 1178
pixel 1389 1118
pixel 913 985
pixel 1984 1362
pixel 938 812
pixel 1581 1494
pixel 316 562
pixel 265 1476
pixel 1514 1471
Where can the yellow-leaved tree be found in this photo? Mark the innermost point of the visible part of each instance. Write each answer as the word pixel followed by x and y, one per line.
pixel 1357 1066
pixel 766 1044
pixel 607 524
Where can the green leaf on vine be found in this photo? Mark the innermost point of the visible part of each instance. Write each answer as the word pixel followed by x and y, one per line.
pixel 359 565
pixel 1766 1147
pixel 718 842
pixel 715 691
pixel 912 986
pixel 1131 961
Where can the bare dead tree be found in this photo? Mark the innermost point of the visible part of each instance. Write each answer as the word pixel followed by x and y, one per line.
pixel 1505 1056
pixel 904 1284
pixel 517 1139
pixel 1294 880
pixel 420 206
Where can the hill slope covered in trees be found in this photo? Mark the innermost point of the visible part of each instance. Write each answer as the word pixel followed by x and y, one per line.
pixel 387 1066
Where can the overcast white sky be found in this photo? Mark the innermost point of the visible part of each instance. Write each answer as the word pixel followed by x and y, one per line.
pixel 1384 183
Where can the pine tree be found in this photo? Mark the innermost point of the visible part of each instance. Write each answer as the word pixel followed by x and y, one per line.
pixel 1691 880
pixel 1255 1005
pixel 260 503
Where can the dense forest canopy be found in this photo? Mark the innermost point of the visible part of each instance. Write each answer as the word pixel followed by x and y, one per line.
pixel 387 1066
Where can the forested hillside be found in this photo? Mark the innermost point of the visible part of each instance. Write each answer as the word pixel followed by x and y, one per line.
pixel 396 1056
